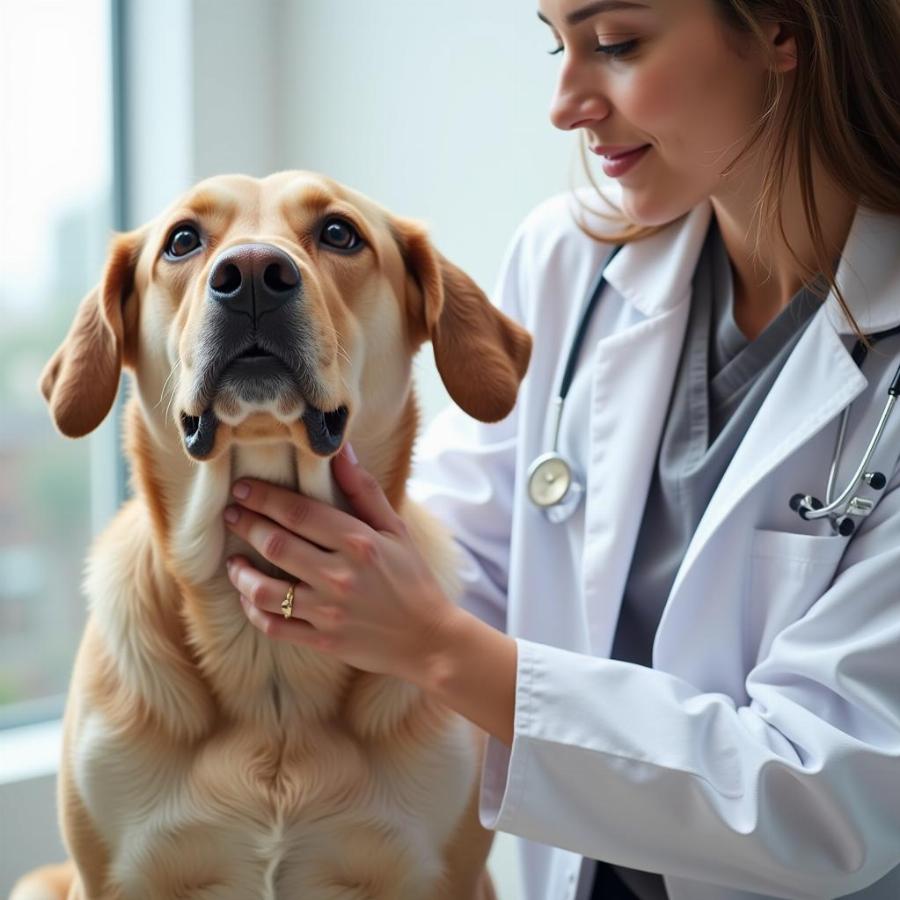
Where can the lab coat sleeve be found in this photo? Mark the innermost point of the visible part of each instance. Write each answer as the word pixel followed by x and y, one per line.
pixel 796 794
pixel 462 475
pixel 464 472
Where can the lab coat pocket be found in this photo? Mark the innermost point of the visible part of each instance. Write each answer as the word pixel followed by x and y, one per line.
pixel 788 573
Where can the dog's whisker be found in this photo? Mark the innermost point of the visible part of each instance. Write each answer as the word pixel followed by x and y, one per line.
pixel 169 406
pixel 169 413
pixel 166 384
pixel 343 353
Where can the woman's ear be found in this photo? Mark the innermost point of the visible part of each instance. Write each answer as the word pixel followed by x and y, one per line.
pixel 481 354
pixel 782 45
pixel 81 379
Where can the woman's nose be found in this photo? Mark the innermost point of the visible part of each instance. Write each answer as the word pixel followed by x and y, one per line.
pixel 578 100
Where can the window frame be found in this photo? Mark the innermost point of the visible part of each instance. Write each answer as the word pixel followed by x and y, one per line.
pixel 31 732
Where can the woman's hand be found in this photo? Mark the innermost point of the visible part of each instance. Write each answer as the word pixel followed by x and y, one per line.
pixel 363 592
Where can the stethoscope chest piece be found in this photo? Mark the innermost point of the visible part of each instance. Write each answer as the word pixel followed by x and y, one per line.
pixel 549 480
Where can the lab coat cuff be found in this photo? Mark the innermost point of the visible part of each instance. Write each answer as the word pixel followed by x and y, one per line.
pixel 503 779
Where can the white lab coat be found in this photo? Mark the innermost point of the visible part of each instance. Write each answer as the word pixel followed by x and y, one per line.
pixel 760 755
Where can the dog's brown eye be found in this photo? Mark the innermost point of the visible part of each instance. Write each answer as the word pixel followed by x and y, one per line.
pixel 341 235
pixel 182 240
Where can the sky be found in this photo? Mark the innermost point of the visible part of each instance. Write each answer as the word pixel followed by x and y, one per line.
pixel 55 132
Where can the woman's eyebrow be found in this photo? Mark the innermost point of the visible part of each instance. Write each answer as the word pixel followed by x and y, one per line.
pixel 592 9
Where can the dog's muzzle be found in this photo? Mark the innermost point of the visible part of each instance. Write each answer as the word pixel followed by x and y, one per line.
pixel 257 345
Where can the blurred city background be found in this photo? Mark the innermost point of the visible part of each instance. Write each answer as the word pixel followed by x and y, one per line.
pixel 56 181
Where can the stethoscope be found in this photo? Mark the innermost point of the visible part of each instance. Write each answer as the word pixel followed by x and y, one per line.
pixel 848 505
pixel 554 487
pixel 552 484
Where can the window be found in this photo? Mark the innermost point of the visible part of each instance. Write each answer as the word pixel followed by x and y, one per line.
pixel 55 223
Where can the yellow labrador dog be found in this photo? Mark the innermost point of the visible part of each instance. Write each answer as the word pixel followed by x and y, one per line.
pixel 265 323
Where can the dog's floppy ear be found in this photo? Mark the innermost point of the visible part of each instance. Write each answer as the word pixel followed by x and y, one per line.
pixel 82 378
pixel 481 354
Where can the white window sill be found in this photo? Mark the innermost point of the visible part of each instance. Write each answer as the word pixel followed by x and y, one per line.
pixel 30 751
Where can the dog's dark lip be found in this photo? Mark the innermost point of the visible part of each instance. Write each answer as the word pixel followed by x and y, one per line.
pixel 325 430
pixel 200 433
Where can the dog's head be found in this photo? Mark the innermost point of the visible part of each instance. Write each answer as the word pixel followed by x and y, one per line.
pixel 277 309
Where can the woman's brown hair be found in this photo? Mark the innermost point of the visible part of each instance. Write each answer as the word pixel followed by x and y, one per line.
pixel 845 109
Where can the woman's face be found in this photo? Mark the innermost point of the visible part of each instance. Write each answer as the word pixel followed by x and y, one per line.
pixel 664 75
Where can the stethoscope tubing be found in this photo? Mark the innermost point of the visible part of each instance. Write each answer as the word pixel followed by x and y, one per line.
pixel 550 478
pixel 838 510
pixel 859 475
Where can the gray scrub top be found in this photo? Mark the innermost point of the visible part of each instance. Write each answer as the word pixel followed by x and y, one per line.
pixel 720 384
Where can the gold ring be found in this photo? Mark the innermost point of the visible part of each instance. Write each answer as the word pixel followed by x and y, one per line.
pixel 287 605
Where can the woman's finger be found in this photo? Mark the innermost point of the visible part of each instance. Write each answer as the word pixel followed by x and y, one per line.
pixel 364 493
pixel 292 554
pixel 311 519
pixel 295 631
pixel 264 591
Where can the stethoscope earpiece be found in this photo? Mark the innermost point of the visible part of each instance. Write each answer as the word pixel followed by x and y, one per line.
pixel 804 504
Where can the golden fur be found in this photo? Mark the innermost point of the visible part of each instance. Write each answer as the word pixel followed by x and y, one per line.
pixel 201 759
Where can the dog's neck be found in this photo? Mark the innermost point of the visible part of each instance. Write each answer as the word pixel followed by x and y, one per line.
pixel 186 499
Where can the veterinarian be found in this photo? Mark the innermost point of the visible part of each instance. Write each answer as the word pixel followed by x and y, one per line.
pixel 684 671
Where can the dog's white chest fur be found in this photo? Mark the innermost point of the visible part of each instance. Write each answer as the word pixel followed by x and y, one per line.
pixel 228 822
pixel 310 779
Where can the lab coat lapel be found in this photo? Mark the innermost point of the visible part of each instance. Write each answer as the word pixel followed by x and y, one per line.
pixel 629 403
pixel 817 381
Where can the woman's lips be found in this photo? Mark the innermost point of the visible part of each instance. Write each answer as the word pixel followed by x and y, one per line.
pixel 621 161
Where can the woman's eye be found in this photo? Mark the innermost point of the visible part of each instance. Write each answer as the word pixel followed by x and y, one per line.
pixel 183 240
pixel 341 235
pixel 614 50
pixel 622 49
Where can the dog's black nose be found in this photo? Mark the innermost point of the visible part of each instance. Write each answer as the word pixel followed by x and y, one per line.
pixel 254 279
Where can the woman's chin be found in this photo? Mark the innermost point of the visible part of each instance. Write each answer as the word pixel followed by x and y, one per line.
pixel 648 208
